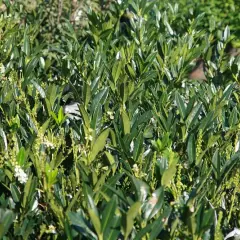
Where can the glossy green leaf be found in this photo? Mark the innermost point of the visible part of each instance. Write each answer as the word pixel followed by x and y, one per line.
pixel 206 122
pixel 85 116
pixel 61 116
pixel 16 194
pixel 129 218
pixel 116 70
pixel 191 149
pixel 108 215
pixel 21 157
pixel 158 224
pixel 39 88
pixel 6 220
pixel 30 67
pixel 94 216
pixel 181 105
pixel 169 173
pixel 226 33
pixel 216 161
pixel 80 224
pixel 87 94
pixel 227 92
pixel 126 122
pixel 141 188
pixel 193 115
pixel 138 148
pixel 26 43
pixel 154 204
pixel 111 161
pixel 98 145
pixel 29 190
pixel 4 139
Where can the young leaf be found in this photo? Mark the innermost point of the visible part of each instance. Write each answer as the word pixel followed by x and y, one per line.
pixel 169 173
pixel 84 116
pixel 111 161
pixel 126 122
pixel 87 94
pixel 61 116
pixel 21 157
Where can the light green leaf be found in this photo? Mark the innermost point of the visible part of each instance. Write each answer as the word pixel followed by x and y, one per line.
pixel 87 94
pixel 61 116
pixel 84 116
pixel 126 122
pixel 98 145
pixel 42 62
pixel 129 220
pixel 21 157
pixel 111 161
pixel 116 71
pixel 169 173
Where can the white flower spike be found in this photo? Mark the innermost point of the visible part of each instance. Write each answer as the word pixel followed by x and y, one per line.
pixel 20 175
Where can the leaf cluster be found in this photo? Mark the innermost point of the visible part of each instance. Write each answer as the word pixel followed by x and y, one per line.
pixel 102 133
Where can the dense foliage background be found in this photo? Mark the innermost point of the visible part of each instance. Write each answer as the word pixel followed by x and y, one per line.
pixel 103 135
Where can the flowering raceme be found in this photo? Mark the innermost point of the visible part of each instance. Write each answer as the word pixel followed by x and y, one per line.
pixel 20 174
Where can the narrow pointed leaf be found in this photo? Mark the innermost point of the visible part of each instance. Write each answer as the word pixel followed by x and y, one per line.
pixel 99 145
